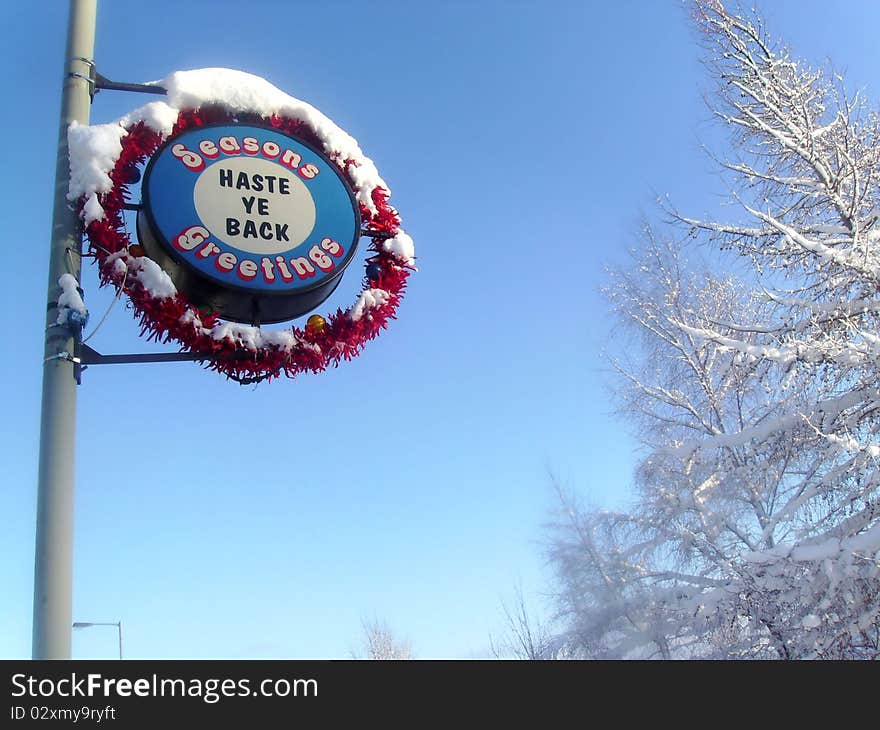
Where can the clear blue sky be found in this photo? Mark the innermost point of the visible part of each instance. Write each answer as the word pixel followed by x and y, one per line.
pixel 522 141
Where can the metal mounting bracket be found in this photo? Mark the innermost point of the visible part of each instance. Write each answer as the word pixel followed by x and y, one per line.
pixel 97 82
pixel 89 356
pixel 102 82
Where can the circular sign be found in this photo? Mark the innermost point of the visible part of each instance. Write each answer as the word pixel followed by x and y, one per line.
pixel 255 224
pixel 290 202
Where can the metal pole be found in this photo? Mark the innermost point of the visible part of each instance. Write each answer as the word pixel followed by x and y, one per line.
pixel 119 626
pixel 53 559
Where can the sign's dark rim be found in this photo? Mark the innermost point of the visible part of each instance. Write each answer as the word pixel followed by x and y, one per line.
pixel 175 255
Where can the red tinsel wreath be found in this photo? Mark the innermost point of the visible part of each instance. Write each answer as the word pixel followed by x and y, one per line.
pixel 172 318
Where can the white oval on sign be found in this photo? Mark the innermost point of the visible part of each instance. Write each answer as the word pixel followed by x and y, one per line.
pixel 254 205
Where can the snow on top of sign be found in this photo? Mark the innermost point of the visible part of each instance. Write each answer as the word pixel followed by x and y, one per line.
pixel 95 149
pixel 244 92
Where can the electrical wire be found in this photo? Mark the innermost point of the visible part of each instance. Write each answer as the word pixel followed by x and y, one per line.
pixel 107 313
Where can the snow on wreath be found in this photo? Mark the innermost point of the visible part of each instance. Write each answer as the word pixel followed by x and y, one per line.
pixel 104 160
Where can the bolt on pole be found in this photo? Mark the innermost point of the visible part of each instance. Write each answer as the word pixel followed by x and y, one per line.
pixel 53 558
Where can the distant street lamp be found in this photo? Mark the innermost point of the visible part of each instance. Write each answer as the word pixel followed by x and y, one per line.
pixel 86 624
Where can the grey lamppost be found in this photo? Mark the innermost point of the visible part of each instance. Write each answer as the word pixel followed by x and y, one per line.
pixel 53 556
pixel 86 624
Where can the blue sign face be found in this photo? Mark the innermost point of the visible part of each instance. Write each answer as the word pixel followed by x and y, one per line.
pixel 250 208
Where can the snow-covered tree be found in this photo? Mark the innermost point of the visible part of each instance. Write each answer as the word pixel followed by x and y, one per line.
pixel 525 636
pixel 380 642
pixel 756 526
